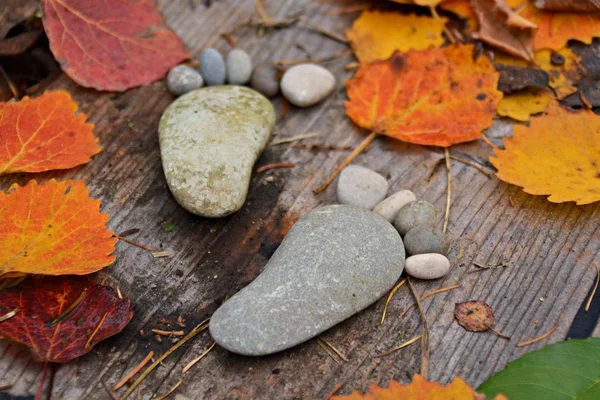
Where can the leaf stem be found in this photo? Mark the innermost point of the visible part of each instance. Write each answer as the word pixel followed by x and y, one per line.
pixel 359 149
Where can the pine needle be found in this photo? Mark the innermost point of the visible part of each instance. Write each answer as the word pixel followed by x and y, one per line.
pixel 133 372
pixel 294 139
pixel 472 164
pixel 387 302
pixel 335 349
pixel 199 328
pixel 268 167
pixel 488 141
pixel 328 351
pixel 195 360
pixel 541 337
pixel 449 196
pixel 363 145
pixel 403 345
pixel 335 389
pixel 9 314
pixel 174 388
pixel 69 310
pixel 589 302
pixel 89 341
pixel 425 335
pixel 428 295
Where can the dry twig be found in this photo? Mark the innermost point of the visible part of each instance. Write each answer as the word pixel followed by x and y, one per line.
pixel 195 360
pixel 389 298
pixel 199 328
pixel 133 372
pixel 541 337
pixel 363 145
pixel 449 196
pixel 425 336
pixel 472 164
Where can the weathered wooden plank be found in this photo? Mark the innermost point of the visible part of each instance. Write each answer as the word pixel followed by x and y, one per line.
pixel 549 246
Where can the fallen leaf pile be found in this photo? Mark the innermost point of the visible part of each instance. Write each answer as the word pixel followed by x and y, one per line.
pixel 418 389
pixel 61 318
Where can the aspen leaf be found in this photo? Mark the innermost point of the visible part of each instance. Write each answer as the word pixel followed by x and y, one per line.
pixel 43 134
pixel 113 44
pixel 376 35
pixel 558 155
pixel 419 389
pixel 433 97
pixel 522 105
pixel 61 318
pixel 52 229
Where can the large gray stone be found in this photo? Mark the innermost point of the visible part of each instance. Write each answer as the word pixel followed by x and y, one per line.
pixel 334 262
pixel 210 139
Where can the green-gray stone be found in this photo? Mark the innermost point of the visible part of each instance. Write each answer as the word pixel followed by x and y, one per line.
pixel 334 262
pixel 210 139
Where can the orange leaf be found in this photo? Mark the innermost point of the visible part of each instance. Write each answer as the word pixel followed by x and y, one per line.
pixel 420 389
pixel 376 35
pixel 555 29
pixel 52 229
pixel 558 154
pixel 434 97
pixel 111 44
pixel 44 133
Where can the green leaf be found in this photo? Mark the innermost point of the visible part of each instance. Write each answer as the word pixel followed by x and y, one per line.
pixel 560 371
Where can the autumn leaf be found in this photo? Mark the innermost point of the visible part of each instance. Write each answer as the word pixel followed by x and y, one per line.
pixel 43 134
pixel 419 389
pixel 501 27
pixel 52 229
pixel 111 45
pixel 61 318
pixel 434 97
pixel 376 35
pixel 558 155
pixel 474 316
pixel 523 104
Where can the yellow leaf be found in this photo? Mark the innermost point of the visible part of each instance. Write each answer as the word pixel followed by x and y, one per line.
pixel 557 155
pixel 419 389
pixel 52 229
pixel 523 104
pixel 376 35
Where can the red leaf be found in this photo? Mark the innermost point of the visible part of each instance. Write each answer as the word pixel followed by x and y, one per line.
pixel 49 325
pixel 113 44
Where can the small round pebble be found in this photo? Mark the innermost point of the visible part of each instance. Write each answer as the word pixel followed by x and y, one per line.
pixel 182 79
pixel 422 240
pixel 212 67
pixel 417 213
pixel 265 79
pixel 361 187
pixel 307 84
pixel 427 266
pixel 239 67
pixel 389 207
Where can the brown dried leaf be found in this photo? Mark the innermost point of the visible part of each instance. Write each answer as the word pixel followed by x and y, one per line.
pixel 474 316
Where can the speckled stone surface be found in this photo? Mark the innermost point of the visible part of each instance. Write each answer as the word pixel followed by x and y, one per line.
pixel 334 262
pixel 417 213
pixel 183 79
pixel 423 239
pixel 361 187
pixel 239 67
pixel 210 139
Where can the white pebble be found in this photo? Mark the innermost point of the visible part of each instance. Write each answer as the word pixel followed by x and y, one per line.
pixel 389 207
pixel 361 187
pixel 307 84
pixel 427 266
pixel 239 67
pixel 182 79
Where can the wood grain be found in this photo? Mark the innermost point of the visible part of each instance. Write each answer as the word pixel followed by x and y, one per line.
pixel 549 246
